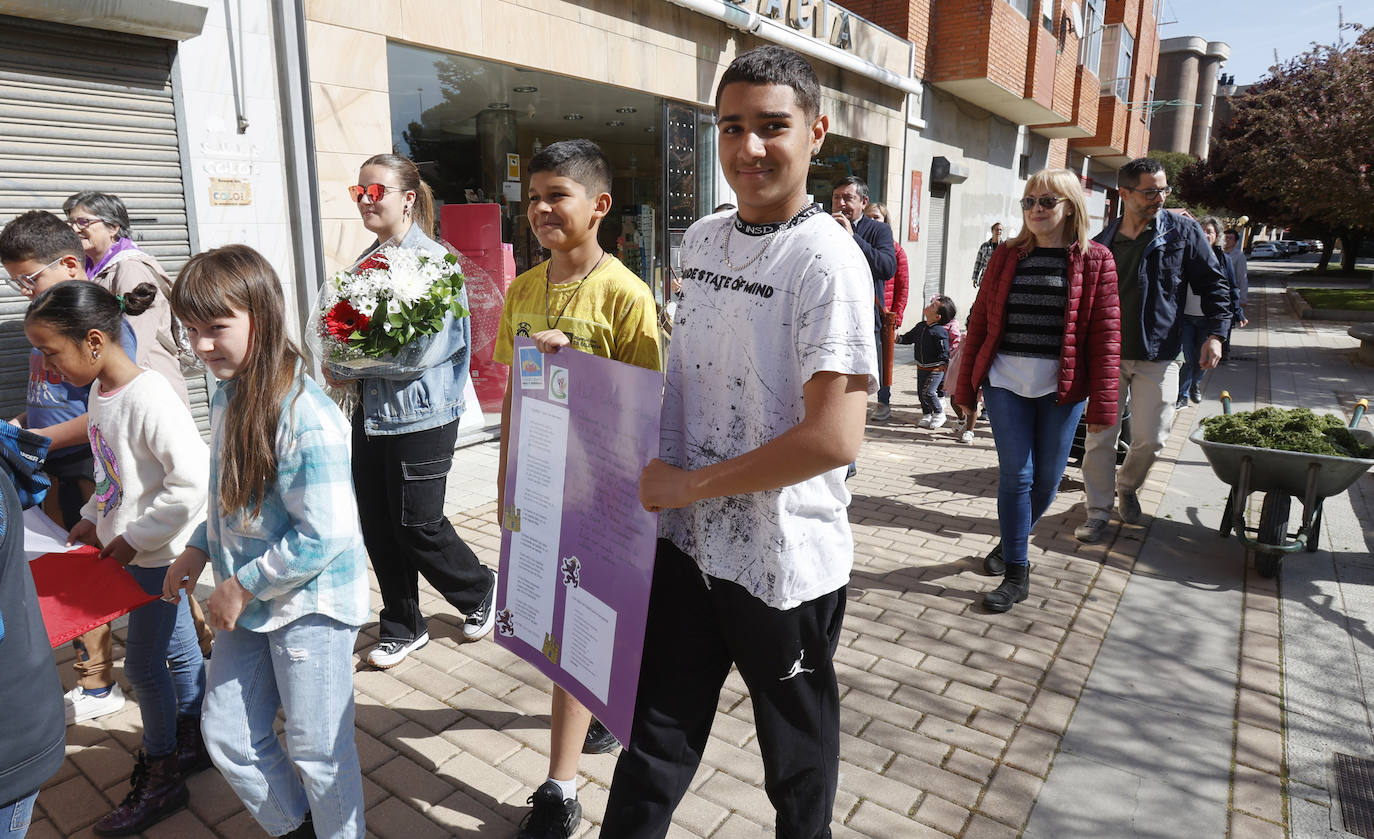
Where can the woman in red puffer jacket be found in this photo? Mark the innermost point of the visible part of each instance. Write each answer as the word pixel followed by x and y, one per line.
pixel 1044 336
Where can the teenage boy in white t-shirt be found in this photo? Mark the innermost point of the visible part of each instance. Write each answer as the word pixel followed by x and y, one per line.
pixel 763 409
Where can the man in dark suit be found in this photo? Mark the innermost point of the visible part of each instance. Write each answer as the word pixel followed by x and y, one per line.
pixel 874 238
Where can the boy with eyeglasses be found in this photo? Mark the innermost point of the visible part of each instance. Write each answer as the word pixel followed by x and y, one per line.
pixel 1157 252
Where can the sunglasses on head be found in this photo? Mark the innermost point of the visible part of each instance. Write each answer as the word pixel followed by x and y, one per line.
pixel 374 192
pixel 1046 201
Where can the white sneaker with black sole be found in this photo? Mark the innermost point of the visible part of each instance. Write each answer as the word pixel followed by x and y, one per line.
pixel 82 706
pixel 483 618
pixel 391 652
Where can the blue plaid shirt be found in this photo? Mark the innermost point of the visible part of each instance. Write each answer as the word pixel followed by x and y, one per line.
pixel 303 553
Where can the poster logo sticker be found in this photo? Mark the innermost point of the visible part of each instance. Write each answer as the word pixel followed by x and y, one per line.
pixel 558 384
pixel 531 368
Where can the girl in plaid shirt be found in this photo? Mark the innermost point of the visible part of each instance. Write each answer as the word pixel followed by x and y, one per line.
pixel 284 544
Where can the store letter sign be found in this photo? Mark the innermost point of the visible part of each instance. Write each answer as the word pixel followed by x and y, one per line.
pixel 810 17
pixel 913 217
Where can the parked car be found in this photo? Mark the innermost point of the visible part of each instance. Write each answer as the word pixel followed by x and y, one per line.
pixel 1264 250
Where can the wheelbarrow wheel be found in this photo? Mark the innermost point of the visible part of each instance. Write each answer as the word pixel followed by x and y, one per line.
pixel 1315 531
pixel 1273 530
pixel 1273 523
pixel 1224 529
pixel 1267 564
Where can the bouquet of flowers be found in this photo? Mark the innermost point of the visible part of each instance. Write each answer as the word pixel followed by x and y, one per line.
pixel 380 315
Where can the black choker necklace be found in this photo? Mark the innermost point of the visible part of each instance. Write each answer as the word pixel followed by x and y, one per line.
pixel 553 321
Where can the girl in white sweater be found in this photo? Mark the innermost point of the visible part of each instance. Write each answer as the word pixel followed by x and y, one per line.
pixel 152 471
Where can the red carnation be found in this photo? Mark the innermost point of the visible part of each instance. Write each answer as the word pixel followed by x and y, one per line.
pixel 377 260
pixel 343 320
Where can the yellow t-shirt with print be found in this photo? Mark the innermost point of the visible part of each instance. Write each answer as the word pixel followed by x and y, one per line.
pixel 610 313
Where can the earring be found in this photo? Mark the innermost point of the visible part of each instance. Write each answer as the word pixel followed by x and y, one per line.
pixel 95 354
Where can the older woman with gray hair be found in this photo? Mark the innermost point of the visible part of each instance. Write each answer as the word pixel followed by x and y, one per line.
pixel 115 262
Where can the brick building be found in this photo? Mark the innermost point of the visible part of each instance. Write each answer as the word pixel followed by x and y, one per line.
pixel 1011 87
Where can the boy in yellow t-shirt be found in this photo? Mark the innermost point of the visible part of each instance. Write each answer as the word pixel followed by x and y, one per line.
pixel 584 298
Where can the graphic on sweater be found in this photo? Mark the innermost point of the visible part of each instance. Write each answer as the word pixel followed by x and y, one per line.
pixel 109 483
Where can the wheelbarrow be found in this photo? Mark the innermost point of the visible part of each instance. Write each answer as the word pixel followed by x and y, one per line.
pixel 1281 476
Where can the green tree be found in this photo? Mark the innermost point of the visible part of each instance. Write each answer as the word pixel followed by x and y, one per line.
pixel 1299 149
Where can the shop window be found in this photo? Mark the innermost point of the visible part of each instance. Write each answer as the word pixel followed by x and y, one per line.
pixel 841 157
pixel 459 118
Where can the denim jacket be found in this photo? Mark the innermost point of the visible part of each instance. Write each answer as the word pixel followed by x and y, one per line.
pixel 1178 254
pixel 434 398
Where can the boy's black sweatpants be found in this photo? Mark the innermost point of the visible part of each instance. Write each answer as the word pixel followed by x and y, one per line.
pixel 694 634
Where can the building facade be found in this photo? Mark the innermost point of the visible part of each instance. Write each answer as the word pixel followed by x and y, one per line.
pixel 1011 87
pixel 472 91
pixel 174 106
pixel 1189 75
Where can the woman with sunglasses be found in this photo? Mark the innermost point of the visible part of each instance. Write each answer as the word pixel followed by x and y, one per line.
pixel 1044 336
pixel 116 263
pixel 404 431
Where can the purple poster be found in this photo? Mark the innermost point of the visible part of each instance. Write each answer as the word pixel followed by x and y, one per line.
pixel 577 548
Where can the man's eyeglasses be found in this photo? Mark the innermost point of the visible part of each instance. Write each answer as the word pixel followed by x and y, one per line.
pixel 83 223
pixel 1151 193
pixel 1046 201
pixel 24 283
pixel 374 192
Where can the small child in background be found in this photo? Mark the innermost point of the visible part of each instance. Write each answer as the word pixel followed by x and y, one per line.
pixel 151 474
pixel 932 358
pixel 286 550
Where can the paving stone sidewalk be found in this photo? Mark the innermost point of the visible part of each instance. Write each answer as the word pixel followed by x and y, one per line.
pixel 951 717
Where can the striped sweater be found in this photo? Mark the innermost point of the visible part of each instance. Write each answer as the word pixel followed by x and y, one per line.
pixel 1035 305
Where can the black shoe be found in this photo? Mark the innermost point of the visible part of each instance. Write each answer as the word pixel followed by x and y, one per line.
pixel 1195 395
pixel 305 831
pixel 191 754
pixel 1181 403
pixel 599 740
pixel 993 565
pixel 1015 587
pixel 551 816
pixel 156 791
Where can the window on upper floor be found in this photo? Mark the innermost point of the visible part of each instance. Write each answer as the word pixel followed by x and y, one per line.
pixel 1047 15
pixel 1090 39
pixel 1114 68
pixel 1022 6
pixel 1149 101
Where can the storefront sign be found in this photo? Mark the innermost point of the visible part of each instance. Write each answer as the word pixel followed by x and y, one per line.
pixel 230 192
pixel 809 17
pixel 913 215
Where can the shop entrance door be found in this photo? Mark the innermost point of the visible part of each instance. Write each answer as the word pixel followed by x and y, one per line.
pixel 936 241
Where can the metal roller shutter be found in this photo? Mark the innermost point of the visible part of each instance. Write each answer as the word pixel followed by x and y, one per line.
pixel 935 243
pixel 85 109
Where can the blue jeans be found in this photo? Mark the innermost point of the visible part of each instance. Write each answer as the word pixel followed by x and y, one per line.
pixel 15 817
pixel 1190 373
pixel 928 383
pixel 1033 437
pixel 163 662
pixel 306 669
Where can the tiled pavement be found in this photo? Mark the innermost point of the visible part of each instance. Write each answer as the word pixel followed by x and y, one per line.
pixel 952 718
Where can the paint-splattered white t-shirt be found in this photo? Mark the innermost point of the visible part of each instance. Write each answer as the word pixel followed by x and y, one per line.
pixel 745 341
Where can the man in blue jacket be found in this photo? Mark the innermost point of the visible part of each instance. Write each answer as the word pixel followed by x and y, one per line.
pixel 1156 252
pixel 874 238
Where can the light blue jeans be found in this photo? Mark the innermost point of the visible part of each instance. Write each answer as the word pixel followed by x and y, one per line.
pixel 1033 437
pixel 163 662
pixel 15 817
pixel 306 669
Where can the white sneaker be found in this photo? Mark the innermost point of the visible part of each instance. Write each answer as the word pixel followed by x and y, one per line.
pixel 937 421
pixel 483 618
pixel 392 652
pixel 966 437
pixel 82 706
pixel 925 421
